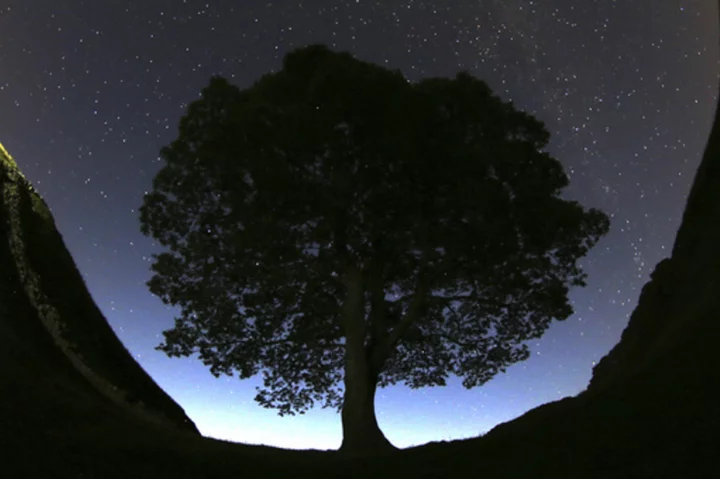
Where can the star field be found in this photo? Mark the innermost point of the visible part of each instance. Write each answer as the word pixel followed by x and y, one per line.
pixel 90 92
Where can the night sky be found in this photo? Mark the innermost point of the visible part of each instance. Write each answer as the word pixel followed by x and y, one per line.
pixel 90 92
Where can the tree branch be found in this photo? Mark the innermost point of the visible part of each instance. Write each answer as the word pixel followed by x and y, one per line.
pixel 418 297
pixel 473 298
pixel 452 298
pixel 378 310
pixel 410 316
pixel 460 343
pixel 353 308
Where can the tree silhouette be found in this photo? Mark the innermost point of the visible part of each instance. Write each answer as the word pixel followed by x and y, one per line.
pixel 337 228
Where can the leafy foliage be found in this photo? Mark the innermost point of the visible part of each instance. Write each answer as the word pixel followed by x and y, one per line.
pixel 438 192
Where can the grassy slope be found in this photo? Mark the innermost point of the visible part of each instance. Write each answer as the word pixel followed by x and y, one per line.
pixel 83 323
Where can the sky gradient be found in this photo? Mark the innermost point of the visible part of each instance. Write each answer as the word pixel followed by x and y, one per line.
pixel 91 90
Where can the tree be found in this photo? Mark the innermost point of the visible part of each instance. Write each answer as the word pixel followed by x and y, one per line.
pixel 337 228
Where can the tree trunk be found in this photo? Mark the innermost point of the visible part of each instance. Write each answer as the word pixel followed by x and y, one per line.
pixel 361 433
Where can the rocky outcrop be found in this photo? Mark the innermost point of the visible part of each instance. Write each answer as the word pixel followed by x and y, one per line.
pixel 51 331
pixel 648 332
pixel 680 306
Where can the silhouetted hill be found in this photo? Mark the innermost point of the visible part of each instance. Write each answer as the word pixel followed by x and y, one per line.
pixel 70 403
pixel 60 358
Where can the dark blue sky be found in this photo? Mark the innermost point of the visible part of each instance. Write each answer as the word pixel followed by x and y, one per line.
pixel 90 92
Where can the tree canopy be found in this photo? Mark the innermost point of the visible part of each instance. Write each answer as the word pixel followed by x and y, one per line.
pixel 336 221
